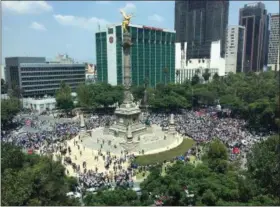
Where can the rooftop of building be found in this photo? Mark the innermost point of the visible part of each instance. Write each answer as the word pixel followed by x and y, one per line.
pixel 140 26
pixel 51 64
pixel 236 26
pixel 274 15
pixel 29 57
pixel 254 5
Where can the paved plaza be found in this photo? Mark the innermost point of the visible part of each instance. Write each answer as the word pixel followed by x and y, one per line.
pixel 88 146
pixel 80 153
pixel 154 141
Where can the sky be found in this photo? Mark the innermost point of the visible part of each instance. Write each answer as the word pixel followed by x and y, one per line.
pixel 49 28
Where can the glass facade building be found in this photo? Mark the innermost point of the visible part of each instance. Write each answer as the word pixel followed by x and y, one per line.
pixel 101 56
pixel 199 23
pixel 256 21
pixel 37 78
pixel 152 55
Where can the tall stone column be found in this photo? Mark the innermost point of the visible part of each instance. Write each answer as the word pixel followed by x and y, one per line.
pixel 128 124
pixel 128 98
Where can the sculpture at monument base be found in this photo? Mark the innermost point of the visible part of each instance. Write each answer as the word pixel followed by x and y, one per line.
pixel 171 127
pixel 82 126
pixel 82 121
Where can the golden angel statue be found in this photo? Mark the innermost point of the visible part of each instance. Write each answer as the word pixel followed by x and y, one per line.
pixel 126 21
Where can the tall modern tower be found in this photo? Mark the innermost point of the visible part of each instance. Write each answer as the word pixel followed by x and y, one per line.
pixel 199 23
pixel 235 49
pixel 274 39
pixel 255 19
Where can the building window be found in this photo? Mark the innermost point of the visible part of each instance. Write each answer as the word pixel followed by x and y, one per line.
pixel 110 31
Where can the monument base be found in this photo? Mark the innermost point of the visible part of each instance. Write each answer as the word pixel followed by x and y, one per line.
pixel 127 115
pixel 120 129
pixel 172 130
pixel 130 146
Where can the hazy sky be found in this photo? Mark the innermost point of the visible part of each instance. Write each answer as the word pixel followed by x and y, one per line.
pixel 46 28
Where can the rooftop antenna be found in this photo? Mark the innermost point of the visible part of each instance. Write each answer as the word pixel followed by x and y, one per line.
pixel 98 26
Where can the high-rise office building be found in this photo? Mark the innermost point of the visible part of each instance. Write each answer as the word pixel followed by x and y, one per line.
pixel 235 46
pixel 152 55
pixel 199 23
pixel 274 39
pixel 255 19
pixel 38 78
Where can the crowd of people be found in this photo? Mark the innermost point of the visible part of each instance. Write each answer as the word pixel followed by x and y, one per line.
pixel 47 136
pixel 39 135
pixel 97 120
pixel 205 125
pixel 116 174
pixel 120 177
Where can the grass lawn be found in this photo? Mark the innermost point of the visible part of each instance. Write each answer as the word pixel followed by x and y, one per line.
pixel 167 155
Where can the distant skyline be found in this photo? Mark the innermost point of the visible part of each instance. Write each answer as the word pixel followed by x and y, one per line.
pixel 47 28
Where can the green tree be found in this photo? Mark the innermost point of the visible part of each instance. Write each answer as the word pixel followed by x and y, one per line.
pixel 216 77
pixel 168 97
pixel 264 166
pixel 9 108
pixel 206 75
pixel 195 79
pixel 63 98
pixel 32 180
pixel 85 96
pixel 217 156
pixel 117 197
pixel 204 97
pixel 106 95
pixel 209 198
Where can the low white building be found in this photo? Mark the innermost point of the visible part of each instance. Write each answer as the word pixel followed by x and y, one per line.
pixel 186 70
pixel 39 104
pixel 42 104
